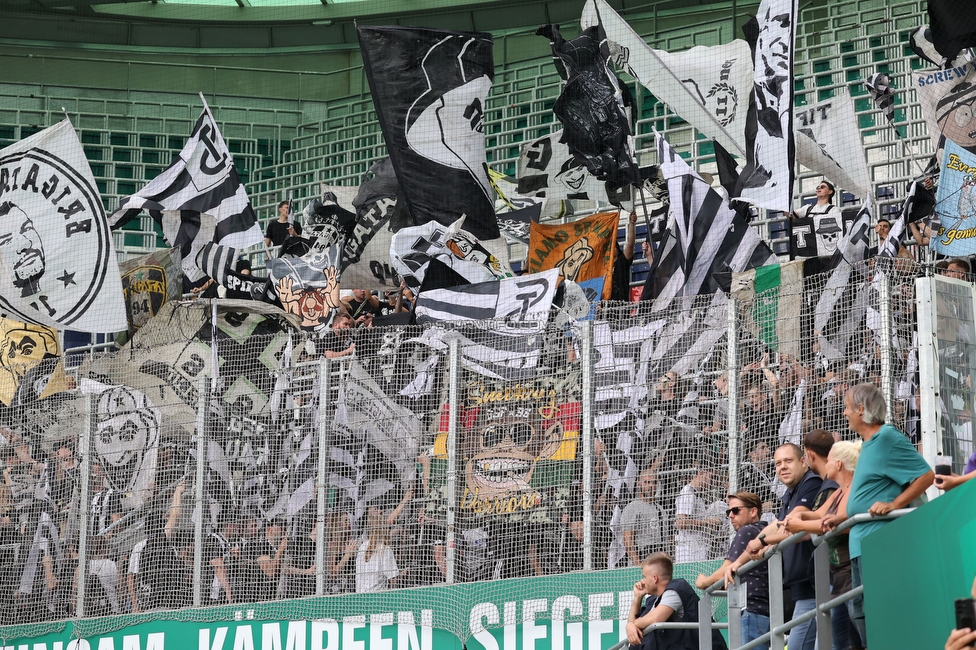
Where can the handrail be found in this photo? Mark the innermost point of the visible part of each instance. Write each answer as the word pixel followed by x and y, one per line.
pixel 850 522
pixel 751 564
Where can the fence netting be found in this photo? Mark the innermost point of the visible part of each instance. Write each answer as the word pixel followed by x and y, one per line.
pixel 219 458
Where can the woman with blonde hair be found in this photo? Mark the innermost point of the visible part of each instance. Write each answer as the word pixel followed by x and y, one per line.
pixel 376 566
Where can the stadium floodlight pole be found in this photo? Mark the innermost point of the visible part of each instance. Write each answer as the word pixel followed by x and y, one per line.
pixel 325 419
pixel 84 448
pixel 586 432
pixel 454 368
pixel 203 398
pixel 732 421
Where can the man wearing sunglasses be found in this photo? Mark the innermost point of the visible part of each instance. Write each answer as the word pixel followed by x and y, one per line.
pixel 745 511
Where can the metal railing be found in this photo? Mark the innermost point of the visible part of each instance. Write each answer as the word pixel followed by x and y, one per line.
pixel 778 627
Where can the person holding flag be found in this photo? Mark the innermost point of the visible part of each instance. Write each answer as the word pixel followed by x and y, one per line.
pixel 283 227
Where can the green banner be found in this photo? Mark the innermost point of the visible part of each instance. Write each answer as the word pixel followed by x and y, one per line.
pixel 572 611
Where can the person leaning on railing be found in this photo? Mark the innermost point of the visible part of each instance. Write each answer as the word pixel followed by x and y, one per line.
pixel 840 464
pixel 890 475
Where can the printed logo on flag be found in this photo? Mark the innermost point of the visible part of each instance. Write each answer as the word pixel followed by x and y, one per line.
pixel 145 291
pixel 210 162
pixel 47 207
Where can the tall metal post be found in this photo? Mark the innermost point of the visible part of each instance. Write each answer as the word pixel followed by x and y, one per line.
pixel 732 363
pixel 777 641
pixel 930 410
pixel 84 514
pixel 325 422
pixel 454 367
pixel 887 337
pixel 587 433
pixel 821 575
pixel 203 399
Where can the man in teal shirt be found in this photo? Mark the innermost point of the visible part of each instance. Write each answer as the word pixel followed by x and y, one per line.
pixel 890 474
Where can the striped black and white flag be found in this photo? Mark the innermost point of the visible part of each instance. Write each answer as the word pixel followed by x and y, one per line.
pixel 879 87
pixel 202 179
pixel 705 237
pixel 844 300
pixel 217 261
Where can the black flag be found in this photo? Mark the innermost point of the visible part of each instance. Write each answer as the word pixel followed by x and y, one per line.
pixel 953 25
pixel 591 107
pixel 429 88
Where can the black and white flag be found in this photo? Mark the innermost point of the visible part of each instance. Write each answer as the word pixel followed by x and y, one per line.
pixel 767 180
pixel 829 142
pixel 592 107
pixel 706 237
pixel 843 303
pixel 429 88
pixel 202 179
pixel 706 86
pixel 547 169
pixel 879 87
pixel 510 345
pixel 412 249
pixel 57 262
pixel 217 261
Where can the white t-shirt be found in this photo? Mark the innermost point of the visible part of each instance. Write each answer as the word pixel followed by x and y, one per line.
pixel 375 575
pixel 691 545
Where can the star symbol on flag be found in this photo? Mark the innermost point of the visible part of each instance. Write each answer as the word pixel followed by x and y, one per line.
pixel 67 278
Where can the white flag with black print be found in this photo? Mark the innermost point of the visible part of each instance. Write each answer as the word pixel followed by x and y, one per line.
pixel 706 237
pixel 547 169
pixel 57 261
pixel 829 142
pixel 707 86
pixel 413 248
pixel 843 303
pixel 767 180
pixel 203 179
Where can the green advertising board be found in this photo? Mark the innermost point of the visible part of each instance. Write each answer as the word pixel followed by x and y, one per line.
pixel 573 611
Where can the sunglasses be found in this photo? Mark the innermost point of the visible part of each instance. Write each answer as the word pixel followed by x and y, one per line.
pixel 733 511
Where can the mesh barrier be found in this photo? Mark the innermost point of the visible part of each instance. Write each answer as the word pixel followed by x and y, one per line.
pixel 136 481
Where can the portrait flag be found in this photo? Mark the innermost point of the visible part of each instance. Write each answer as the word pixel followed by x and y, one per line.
pixel 22 347
pixel 706 86
pixel 591 106
pixel 57 261
pixel 767 180
pixel 201 179
pixel 706 237
pixel 582 250
pixel 429 88
pixel 955 203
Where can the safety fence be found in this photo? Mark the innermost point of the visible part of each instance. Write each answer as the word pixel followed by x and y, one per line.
pixel 225 456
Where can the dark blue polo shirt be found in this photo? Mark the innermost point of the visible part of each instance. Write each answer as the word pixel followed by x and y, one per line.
pixel 798 559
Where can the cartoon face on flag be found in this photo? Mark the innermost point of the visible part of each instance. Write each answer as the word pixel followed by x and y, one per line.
pixel 308 292
pixel 56 254
pixel 515 441
pixel 547 169
pixel 956 203
pixel 22 347
pixel 582 250
pixel 948 98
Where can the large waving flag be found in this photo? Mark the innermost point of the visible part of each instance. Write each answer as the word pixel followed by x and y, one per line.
pixel 767 180
pixel 583 250
pixel 546 168
pixel 946 98
pixel 843 303
pixel 591 108
pixel 828 142
pixel 202 179
pixel 57 262
pixel 429 88
pixel 706 86
pixel 706 237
